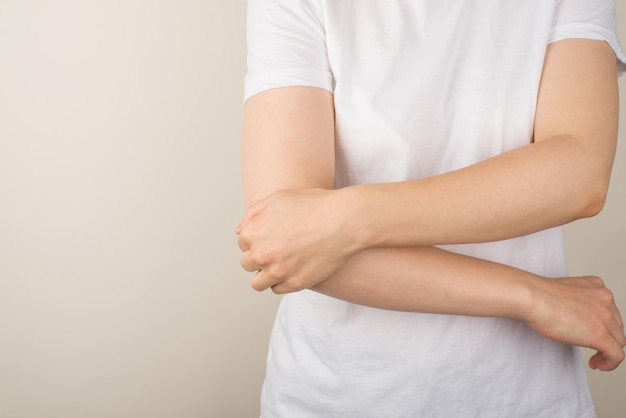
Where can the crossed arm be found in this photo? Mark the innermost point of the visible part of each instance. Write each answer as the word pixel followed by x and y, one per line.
pixel 353 243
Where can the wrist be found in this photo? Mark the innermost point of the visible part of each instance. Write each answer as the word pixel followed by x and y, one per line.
pixel 532 299
pixel 358 222
pixel 500 291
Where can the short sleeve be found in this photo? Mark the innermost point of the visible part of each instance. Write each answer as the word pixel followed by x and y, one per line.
pixel 588 19
pixel 286 46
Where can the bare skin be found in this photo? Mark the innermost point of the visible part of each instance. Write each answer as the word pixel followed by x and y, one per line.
pixel 299 234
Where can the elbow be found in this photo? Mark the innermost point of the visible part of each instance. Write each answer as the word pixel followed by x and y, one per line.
pixel 592 180
pixel 594 200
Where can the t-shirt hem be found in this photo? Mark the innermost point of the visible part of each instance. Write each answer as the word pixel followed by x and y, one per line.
pixel 289 77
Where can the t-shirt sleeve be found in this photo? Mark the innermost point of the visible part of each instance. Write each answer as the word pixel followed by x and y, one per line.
pixel 588 19
pixel 286 46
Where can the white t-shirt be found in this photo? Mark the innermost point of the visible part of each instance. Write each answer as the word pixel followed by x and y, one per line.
pixel 421 87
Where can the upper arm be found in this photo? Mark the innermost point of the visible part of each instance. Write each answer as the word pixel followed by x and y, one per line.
pixel 288 141
pixel 288 126
pixel 578 98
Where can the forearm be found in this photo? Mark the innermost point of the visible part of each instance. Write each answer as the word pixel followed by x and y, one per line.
pixel 526 190
pixel 561 177
pixel 431 280
pixel 576 310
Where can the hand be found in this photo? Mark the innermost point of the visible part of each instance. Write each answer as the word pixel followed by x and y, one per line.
pixel 581 311
pixel 295 239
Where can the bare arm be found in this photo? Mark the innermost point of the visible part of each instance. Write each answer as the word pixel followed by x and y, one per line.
pixel 421 279
pixel 561 177
pixel 288 144
pixel 573 310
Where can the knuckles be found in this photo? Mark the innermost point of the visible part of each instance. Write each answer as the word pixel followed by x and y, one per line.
pixel 245 236
pixel 596 281
pixel 262 258
pixel 605 315
pixel 606 296
pixel 242 243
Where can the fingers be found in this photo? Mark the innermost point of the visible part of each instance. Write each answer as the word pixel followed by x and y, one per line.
pixel 616 329
pixel 610 339
pixel 619 317
pixel 248 262
pixel 611 349
pixel 616 312
pixel 262 281
pixel 599 362
pixel 582 311
pixel 243 244
pixel 604 362
pixel 614 326
pixel 608 360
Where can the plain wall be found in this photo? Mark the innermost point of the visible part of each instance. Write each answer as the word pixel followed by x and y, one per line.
pixel 121 293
